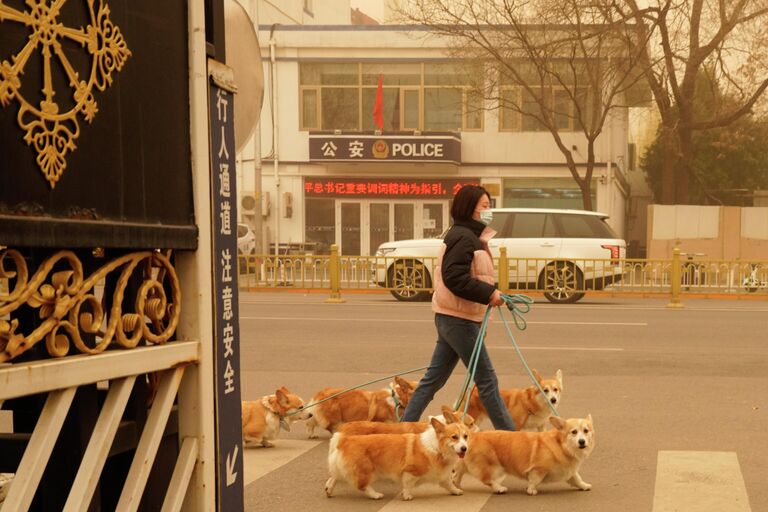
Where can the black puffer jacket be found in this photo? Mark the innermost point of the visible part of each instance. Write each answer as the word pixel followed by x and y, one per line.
pixel 461 242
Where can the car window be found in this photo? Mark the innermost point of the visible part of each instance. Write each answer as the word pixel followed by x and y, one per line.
pixel 241 230
pixel 530 225
pixel 584 226
pixel 500 222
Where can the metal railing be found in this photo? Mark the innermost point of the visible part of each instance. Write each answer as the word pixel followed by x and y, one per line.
pixel 561 280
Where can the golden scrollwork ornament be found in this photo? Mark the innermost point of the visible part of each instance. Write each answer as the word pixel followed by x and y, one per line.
pixel 71 312
pixel 49 129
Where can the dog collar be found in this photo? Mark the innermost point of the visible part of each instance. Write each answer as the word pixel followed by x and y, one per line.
pixel 398 405
pixel 283 423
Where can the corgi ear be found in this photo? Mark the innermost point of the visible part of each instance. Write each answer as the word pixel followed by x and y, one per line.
pixel 589 419
pixel 558 422
pixel 469 420
pixel 559 377
pixel 536 375
pixel 437 425
pixel 448 414
pixel 403 383
pixel 282 399
pixel 285 390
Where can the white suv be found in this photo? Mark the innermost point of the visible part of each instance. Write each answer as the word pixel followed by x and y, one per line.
pixel 562 252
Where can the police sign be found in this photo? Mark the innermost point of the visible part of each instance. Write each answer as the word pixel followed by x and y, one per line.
pixel 366 147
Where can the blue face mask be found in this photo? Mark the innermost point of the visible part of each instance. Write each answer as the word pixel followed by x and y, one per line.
pixel 486 217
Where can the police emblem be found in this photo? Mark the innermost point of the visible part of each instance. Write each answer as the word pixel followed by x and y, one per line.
pixel 380 149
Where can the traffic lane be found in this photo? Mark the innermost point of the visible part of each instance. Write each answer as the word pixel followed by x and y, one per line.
pixel 737 329
pixel 634 419
pixel 673 410
pixel 660 348
pixel 621 301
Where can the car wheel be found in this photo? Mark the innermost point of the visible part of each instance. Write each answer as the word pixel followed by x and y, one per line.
pixel 405 277
pixel 562 282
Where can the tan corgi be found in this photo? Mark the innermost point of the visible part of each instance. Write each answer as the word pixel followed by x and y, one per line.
pixel 528 407
pixel 364 428
pixel 410 459
pixel 551 456
pixel 385 405
pixel 262 418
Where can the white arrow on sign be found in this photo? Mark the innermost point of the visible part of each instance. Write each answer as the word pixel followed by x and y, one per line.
pixel 231 460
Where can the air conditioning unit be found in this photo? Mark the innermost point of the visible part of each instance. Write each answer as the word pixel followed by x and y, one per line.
pixel 249 204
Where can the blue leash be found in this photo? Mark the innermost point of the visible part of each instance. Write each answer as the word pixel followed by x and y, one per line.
pixel 518 305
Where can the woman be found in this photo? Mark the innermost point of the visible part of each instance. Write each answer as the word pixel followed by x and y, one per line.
pixel 464 286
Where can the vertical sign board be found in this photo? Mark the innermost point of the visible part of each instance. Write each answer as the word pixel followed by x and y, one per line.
pixel 229 474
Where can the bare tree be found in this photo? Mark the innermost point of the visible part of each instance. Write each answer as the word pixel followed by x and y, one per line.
pixel 722 41
pixel 558 66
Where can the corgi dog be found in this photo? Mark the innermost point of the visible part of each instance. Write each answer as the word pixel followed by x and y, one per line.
pixel 528 407
pixel 537 457
pixel 410 459
pixel 384 405
pixel 263 418
pixel 364 428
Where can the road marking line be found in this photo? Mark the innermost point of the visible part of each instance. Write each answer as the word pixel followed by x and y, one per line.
pixel 623 324
pixel 688 306
pixel 699 482
pixel 433 498
pixel 430 320
pixel 578 349
pixel 257 462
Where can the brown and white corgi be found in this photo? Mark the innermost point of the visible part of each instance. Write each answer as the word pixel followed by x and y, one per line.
pixel 364 428
pixel 528 407
pixel 384 405
pixel 410 459
pixel 537 457
pixel 262 418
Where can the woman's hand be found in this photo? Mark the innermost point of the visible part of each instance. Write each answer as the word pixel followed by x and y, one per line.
pixel 496 299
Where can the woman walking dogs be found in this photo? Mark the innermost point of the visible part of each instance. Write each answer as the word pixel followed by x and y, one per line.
pixel 464 286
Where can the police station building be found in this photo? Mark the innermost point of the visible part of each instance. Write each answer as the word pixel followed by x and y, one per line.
pixel 329 176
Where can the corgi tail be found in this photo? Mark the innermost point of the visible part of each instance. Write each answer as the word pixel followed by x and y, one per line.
pixel 332 445
pixel 334 457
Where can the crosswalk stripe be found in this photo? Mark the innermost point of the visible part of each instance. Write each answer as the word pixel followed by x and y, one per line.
pixel 433 498
pixel 699 482
pixel 257 462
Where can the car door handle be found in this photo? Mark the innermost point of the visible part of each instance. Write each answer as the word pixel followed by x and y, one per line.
pixel 547 244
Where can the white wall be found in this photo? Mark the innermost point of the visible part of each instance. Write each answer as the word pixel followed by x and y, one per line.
pixel 291 12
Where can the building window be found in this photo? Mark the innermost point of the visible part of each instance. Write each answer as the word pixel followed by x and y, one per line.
pixel 415 96
pixel 310 108
pixel 320 223
pixel 544 193
pixel 562 95
pixel 339 107
pixel 442 109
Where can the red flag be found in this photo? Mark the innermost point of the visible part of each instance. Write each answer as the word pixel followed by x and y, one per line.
pixel 378 114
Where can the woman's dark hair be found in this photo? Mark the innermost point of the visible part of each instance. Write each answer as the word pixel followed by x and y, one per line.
pixel 465 200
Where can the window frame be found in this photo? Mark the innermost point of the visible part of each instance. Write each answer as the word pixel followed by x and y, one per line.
pixel 318 108
pixel 573 122
pixel 504 112
pixel 466 92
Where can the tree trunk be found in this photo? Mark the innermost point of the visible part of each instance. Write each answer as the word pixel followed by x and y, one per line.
pixel 668 166
pixel 683 167
pixel 586 194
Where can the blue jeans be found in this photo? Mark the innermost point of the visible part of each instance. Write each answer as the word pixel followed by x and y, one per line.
pixel 456 339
